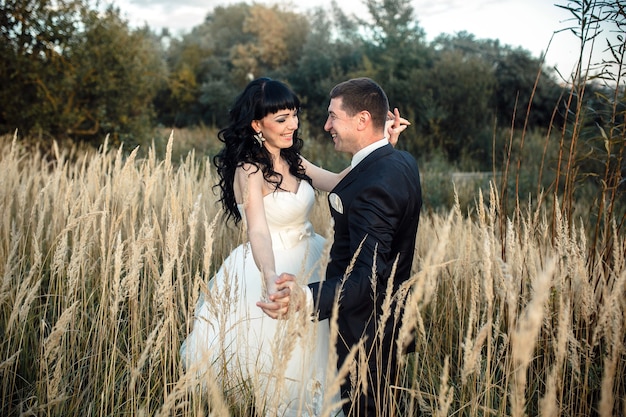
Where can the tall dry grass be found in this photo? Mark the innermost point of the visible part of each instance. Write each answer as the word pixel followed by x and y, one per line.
pixel 102 259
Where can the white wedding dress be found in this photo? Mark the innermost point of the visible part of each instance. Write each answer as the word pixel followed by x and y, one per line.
pixel 284 361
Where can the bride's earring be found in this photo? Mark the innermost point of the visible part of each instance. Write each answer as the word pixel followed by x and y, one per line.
pixel 259 138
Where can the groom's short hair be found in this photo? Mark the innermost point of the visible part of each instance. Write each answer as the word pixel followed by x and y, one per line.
pixel 360 94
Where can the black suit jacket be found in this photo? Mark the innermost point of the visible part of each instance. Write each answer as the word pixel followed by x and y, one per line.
pixel 381 201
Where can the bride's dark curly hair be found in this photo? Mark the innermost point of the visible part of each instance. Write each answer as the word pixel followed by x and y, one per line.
pixel 260 98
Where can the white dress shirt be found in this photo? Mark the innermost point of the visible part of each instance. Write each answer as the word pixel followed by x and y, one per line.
pixel 360 155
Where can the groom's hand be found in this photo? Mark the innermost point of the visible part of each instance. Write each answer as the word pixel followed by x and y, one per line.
pixel 289 296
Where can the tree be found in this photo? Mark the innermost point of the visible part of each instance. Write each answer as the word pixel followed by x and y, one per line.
pixel 118 77
pixel 460 92
pixel 392 50
pixel 74 72
pixel 516 73
pixel 392 25
pixel 35 37
pixel 232 46
pixel 330 53
pixel 275 45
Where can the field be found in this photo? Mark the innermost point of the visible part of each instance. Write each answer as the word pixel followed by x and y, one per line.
pixel 104 254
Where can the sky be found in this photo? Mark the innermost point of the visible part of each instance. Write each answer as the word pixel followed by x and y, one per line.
pixel 534 25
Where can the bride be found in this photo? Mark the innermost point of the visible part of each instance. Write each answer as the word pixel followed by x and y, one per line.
pixel 267 186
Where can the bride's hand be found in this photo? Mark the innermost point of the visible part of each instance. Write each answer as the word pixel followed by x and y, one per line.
pixel 269 287
pixel 394 126
pixel 288 296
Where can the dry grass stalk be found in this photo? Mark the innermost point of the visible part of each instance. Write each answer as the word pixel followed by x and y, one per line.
pixel 11 266
pixel 23 302
pixel 446 392
pixel 117 291
pixel 423 285
pixel 524 338
pixel 335 375
pixel 471 356
pixel 147 350
pixel 53 356
pixel 549 403
pixel 615 345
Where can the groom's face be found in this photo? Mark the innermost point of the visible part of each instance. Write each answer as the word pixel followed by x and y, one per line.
pixel 341 127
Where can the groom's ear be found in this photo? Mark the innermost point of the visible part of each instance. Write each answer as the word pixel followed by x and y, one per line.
pixel 364 118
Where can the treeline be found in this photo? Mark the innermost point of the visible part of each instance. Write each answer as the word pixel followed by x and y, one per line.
pixel 71 71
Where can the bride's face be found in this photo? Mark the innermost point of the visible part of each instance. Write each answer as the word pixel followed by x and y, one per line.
pixel 278 128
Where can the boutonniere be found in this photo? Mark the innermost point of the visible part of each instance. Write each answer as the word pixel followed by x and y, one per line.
pixel 335 202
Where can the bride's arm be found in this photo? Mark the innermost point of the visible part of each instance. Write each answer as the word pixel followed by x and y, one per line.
pixel 249 182
pixel 322 179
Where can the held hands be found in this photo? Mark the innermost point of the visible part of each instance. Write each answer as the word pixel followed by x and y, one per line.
pixel 288 297
pixel 394 126
pixel 269 286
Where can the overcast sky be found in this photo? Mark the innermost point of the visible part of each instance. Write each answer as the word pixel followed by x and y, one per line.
pixel 530 24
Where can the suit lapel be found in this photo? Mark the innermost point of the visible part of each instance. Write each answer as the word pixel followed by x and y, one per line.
pixel 362 166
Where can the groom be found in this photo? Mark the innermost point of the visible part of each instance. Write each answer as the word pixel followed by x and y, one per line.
pixel 376 210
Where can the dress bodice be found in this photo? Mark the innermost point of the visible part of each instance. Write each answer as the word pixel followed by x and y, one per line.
pixel 287 215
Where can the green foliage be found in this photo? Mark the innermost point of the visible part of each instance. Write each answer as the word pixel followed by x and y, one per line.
pixel 73 72
pixel 235 44
pixel 34 39
pixel 459 109
pixel 120 75
pixel 106 77
pixel 514 74
pixel 394 25
pixel 325 60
